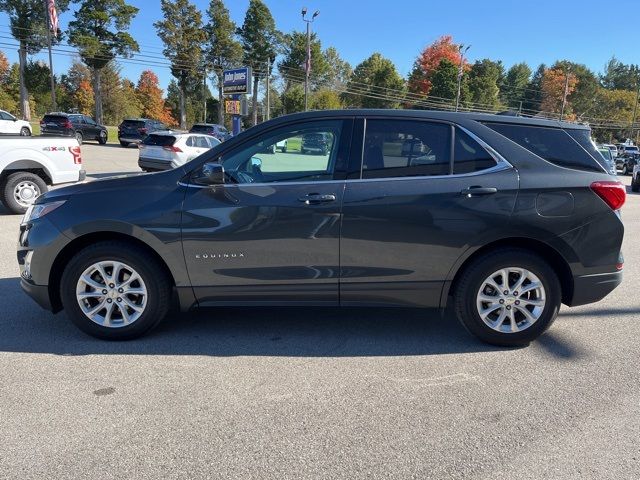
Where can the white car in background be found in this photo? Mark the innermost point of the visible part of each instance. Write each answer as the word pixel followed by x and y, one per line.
pixel 169 149
pixel 635 178
pixel 10 125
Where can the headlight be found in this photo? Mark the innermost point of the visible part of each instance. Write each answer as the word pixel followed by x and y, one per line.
pixel 40 210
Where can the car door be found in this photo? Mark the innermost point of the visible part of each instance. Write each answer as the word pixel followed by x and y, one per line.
pixel 424 193
pixel 271 232
pixel 7 125
pixel 91 127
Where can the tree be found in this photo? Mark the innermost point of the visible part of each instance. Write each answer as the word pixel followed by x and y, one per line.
pixel 293 99
pixel 554 83
pixel 7 101
pixel 99 33
pixel 70 82
pixel 292 66
pixel 325 99
pixel 429 60
pixel 513 88
pixel 338 71
pixel 182 34
pixel 28 22
pixel 194 103
pixel 150 96
pixel 259 43
pixel 533 93
pixel 84 97
pixel 484 77
pixel 587 85
pixel 444 81
pixel 617 75
pixel 375 83
pixel 37 80
pixel 223 51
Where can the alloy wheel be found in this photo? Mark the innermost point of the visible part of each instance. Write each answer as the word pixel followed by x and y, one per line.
pixel 111 294
pixel 510 300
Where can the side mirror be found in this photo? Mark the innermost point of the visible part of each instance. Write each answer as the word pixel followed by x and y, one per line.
pixel 256 162
pixel 211 174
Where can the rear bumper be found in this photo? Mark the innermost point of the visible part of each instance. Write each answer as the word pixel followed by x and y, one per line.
pixel 593 288
pixel 130 139
pixel 154 164
pixel 40 293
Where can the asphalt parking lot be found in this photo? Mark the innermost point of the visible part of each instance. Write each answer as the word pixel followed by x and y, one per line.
pixel 317 393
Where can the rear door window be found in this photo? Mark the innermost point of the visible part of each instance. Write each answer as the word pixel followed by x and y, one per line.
pixel 469 155
pixel 555 145
pixel 406 148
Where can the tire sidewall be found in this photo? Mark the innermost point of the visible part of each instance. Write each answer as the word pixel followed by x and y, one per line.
pixel 9 185
pixel 102 137
pixel 135 259
pixel 23 130
pixel 79 137
pixel 467 308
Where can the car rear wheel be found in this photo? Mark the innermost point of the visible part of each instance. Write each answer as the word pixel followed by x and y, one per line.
pixel 25 132
pixel 508 297
pixel 19 190
pixel 115 291
pixel 124 144
pixel 79 138
pixel 635 184
pixel 102 137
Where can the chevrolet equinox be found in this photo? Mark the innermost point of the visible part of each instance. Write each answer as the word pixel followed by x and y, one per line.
pixel 502 218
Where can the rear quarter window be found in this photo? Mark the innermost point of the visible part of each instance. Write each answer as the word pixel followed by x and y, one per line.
pixel 555 145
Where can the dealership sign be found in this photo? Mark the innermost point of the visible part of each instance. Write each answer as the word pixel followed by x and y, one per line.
pixel 237 81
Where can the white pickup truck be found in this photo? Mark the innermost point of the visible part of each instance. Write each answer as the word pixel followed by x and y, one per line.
pixel 29 164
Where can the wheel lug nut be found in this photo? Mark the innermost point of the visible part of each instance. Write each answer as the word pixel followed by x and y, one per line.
pixel 120 290
pixel 104 292
pixel 111 285
pixel 501 301
pixel 109 300
pixel 119 299
pixel 508 307
pixel 515 293
pixel 506 292
pixel 517 302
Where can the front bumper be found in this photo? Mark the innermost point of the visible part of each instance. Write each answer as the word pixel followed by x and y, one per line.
pixel 593 288
pixel 40 293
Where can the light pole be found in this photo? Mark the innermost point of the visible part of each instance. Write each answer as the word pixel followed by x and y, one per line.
pixel 462 50
pixel 307 65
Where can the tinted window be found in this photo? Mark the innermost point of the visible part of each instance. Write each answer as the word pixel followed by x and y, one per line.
pixel 553 144
pixel 159 140
pixel 260 161
pixel 212 141
pixel 190 142
pixel 54 119
pixel 133 124
pixel 76 118
pixel 403 148
pixel 469 156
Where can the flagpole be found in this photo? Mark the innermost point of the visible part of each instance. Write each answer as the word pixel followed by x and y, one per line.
pixel 53 84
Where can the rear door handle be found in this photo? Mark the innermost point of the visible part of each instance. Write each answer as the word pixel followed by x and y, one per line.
pixel 316 198
pixel 476 191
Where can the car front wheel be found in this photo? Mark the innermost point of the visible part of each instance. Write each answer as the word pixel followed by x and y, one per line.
pixel 508 297
pixel 102 138
pixel 115 290
pixel 635 184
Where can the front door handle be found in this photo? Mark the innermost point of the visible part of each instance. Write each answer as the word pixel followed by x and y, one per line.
pixel 316 198
pixel 476 191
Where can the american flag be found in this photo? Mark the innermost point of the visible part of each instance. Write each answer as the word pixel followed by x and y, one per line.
pixel 53 16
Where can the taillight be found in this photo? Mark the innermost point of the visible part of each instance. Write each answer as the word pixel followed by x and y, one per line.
pixel 142 130
pixel 42 124
pixel 613 193
pixel 172 149
pixel 67 124
pixel 77 155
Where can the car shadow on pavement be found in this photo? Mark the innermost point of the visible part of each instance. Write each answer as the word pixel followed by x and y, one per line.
pixel 295 332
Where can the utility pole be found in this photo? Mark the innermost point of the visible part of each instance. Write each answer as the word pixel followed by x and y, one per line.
pixel 520 109
pixel 54 104
pixel 635 111
pixel 204 95
pixel 307 65
pixel 267 114
pixel 460 72
pixel 566 91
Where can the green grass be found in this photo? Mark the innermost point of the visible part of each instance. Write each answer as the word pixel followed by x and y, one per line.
pixel 112 132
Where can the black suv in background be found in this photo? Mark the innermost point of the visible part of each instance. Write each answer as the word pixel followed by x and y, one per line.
pixel 503 218
pixel 213 129
pixel 82 127
pixel 135 130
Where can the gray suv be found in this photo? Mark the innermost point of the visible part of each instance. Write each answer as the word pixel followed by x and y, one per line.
pixel 502 218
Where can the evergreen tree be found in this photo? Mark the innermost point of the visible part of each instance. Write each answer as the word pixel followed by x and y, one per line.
pixel 99 31
pixel 375 83
pixel 533 92
pixel 259 42
pixel 183 36
pixel 484 78
pixel 513 88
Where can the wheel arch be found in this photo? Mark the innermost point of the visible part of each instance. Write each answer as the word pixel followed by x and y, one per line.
pixel 553 257
pixel 27 165
pixel 78 243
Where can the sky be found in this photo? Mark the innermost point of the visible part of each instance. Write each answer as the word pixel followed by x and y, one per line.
pixel 540 32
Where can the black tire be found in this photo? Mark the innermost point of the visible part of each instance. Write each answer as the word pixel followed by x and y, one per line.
pixel 284 149
pixel 154 276
pixel 11 182
pixel 124 144
pixel 302 151
pixel 79 137
pixel 475 274
pixel 102 137
pixel 635 185
pixel 25 132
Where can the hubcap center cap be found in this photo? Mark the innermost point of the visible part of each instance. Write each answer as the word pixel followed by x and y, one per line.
pixel 510 300
pixel 113 294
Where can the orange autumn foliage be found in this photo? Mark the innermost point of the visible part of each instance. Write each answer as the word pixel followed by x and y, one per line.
pixel 429 60
pixel 151 97
pixel 553 86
